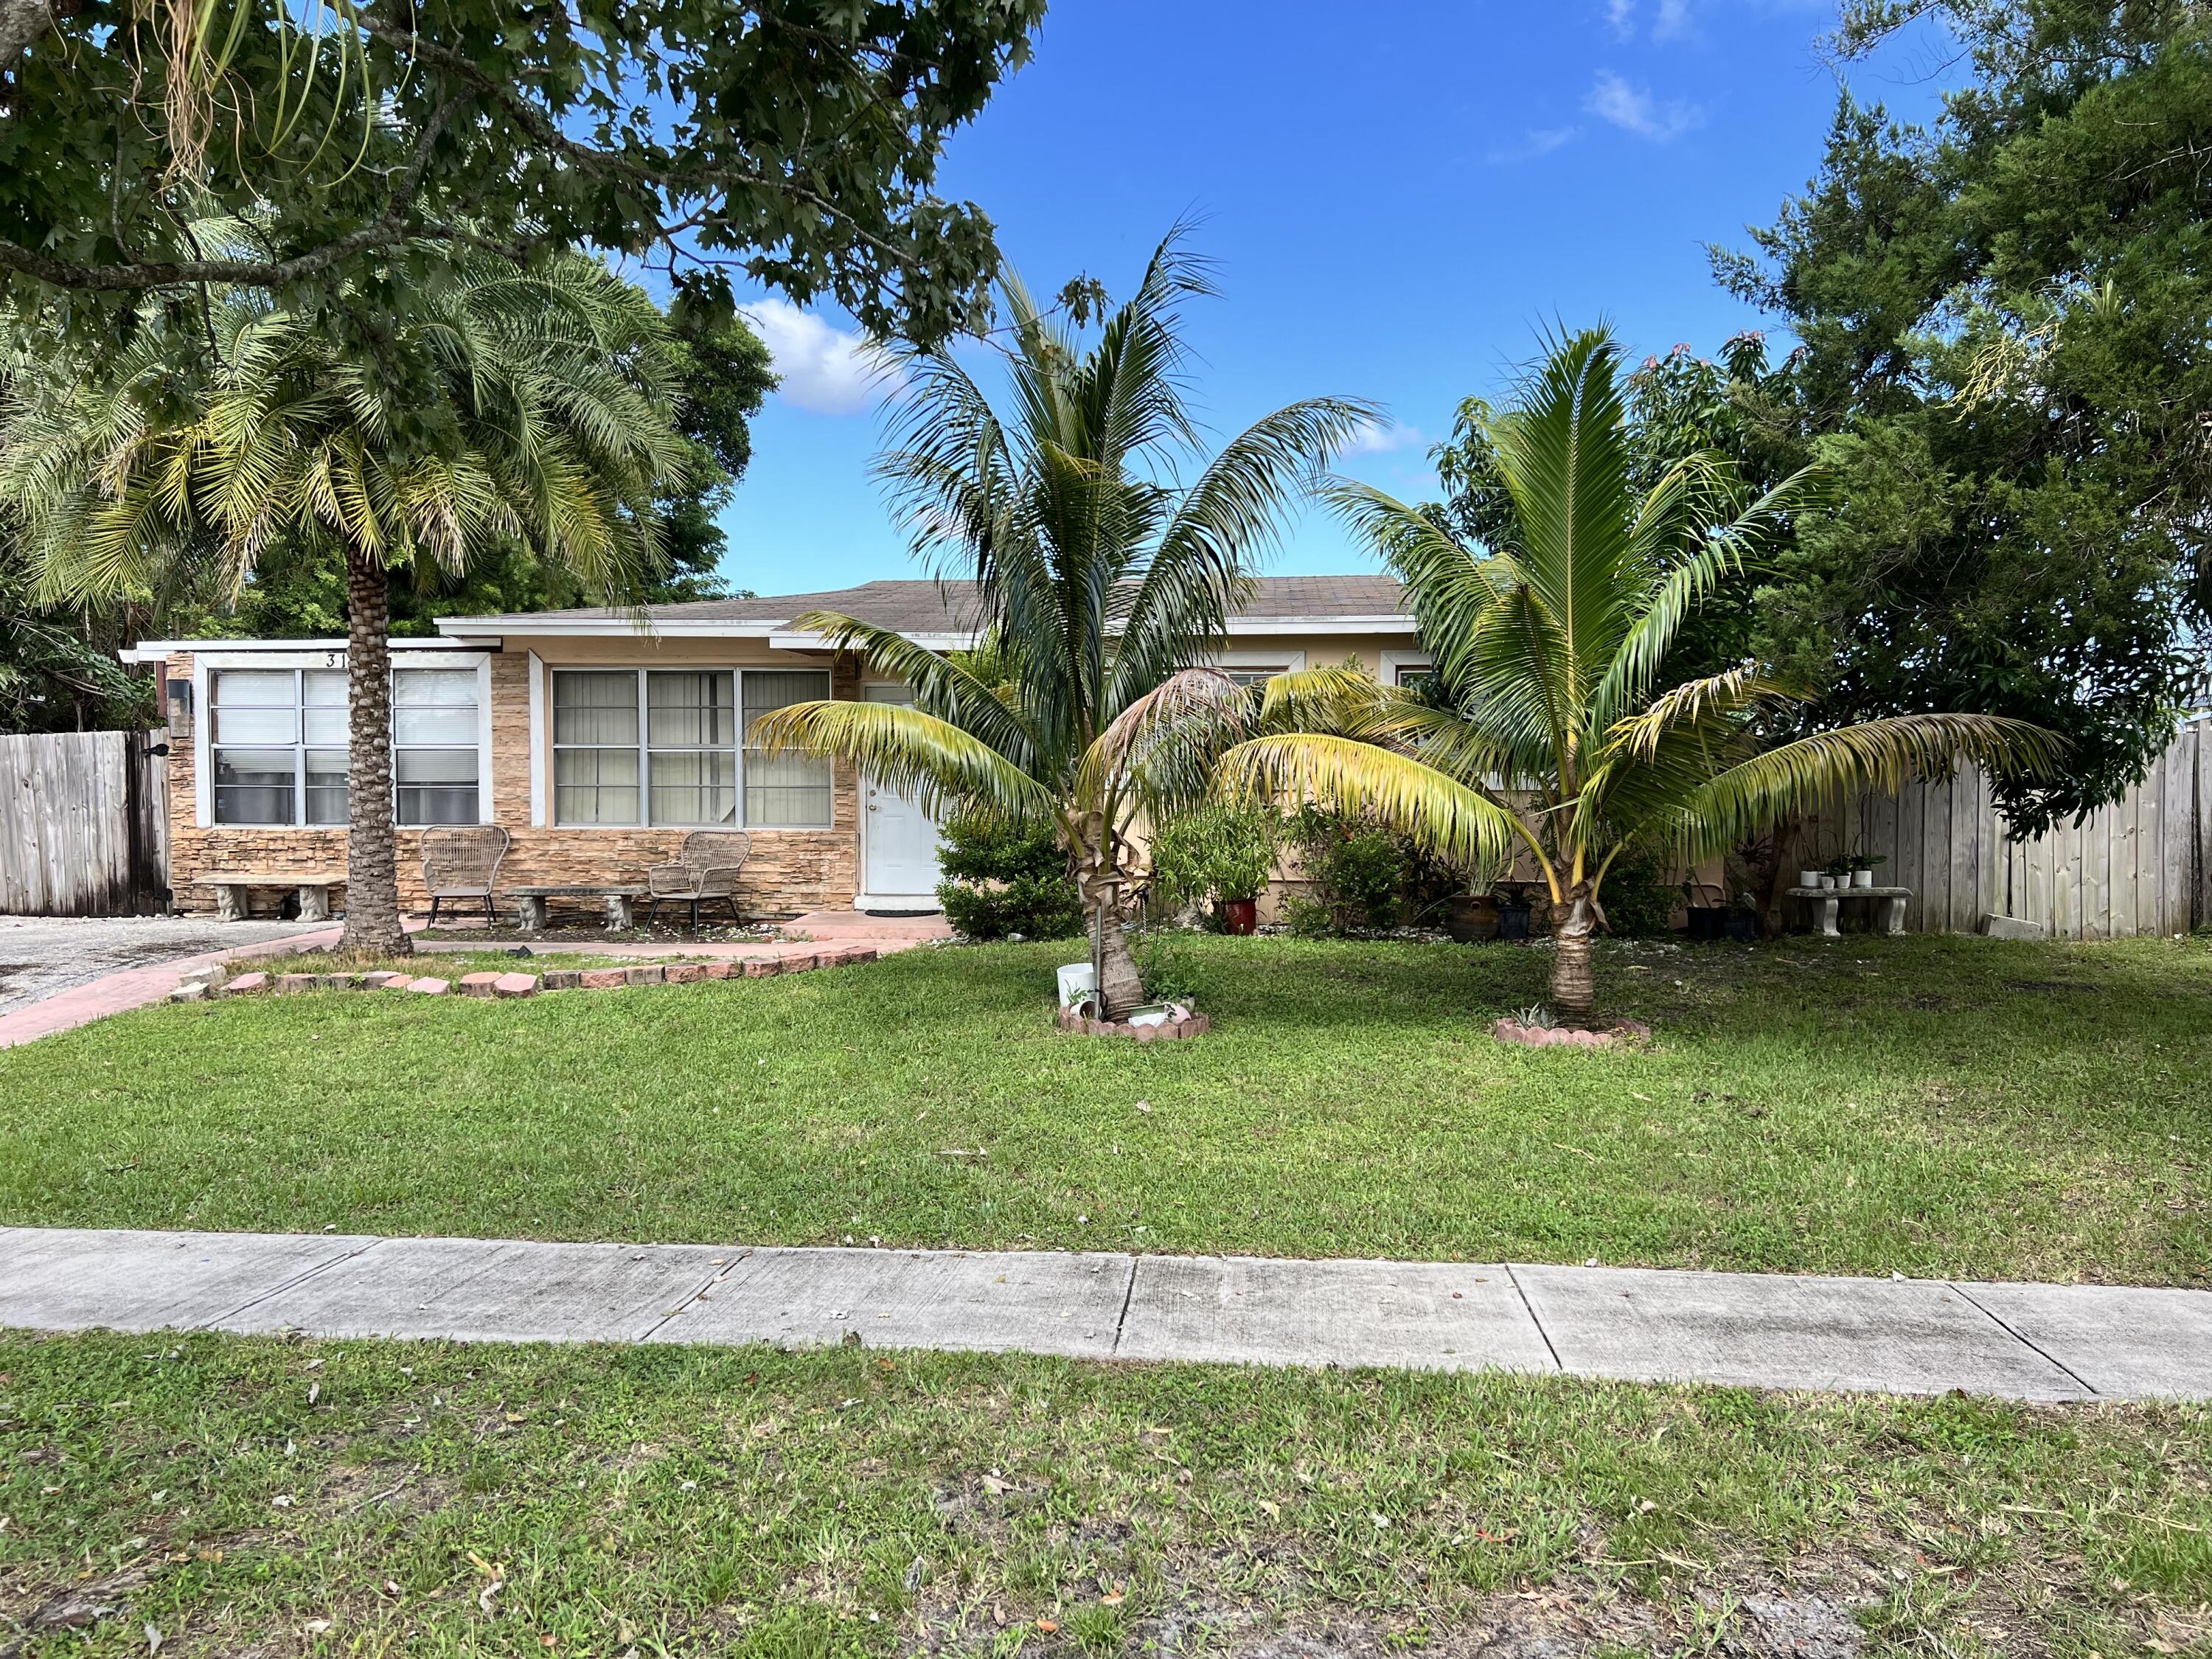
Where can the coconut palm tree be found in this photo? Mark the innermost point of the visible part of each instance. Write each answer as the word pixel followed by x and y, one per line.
pixel 499 402
pixel 1101 581
pixel 1549 727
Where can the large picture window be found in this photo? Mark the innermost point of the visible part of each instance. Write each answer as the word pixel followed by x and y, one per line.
pixel 662 747
pixel 277 751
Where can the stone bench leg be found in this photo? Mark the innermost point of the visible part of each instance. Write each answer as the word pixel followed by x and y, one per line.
pixel 1892 916
pixel 314 902
pixel 230 902
pixel 1828 909
pixel 531 914
pixel 621 916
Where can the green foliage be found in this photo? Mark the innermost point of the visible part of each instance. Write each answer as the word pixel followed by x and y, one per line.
pixel 1168 966
pixel 2007 365
pixel 1003 877
pixel 1360 869
pixel 1639 901
pixel 1214 853
pixel 1308 918
pixel 798 142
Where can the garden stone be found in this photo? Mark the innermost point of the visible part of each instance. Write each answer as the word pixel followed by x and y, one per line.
pixel 721 969
pixel 684 973
pixel 514 984
pixel 478 985
pixel 379 980
pixel 763 968
pixel 2011 928
pixel 431 987
pixel 246 983
pixel 563 979
pixel 653 974
pixel 288 984
pixel 605 979
pixel 192 991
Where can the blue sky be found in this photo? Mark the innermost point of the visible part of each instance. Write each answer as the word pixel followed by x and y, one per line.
pixel 1398 198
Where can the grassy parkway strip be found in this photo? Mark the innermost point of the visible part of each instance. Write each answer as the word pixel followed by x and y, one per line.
pixel 1901 1336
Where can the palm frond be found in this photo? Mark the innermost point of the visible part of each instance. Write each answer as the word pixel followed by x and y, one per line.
pixel 917 754
pixel 1878 755
pixel 1455 823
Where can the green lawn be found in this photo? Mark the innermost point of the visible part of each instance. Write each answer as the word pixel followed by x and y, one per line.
pixel 273 1497
pixel 1925 1105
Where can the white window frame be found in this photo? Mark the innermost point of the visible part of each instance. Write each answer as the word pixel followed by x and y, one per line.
pixel 207 665
pixel 414 661
pixel 1280 662
pixel 1396 661
pixel 545 751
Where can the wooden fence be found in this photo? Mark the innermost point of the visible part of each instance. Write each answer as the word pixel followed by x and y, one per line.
pixel 2140 866
pixel 82 827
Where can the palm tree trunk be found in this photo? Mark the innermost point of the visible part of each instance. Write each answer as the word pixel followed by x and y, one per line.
pixel 1574 981
pixel 372 923
pixel 1120 986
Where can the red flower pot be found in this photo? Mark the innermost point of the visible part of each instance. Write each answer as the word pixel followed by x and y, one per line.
pixel 1239 915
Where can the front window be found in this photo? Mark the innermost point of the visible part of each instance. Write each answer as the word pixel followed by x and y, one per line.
pixel 278 747
pixel 434 746
pixel 671 737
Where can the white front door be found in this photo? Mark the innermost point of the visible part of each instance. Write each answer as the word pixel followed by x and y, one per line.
pixel 898 841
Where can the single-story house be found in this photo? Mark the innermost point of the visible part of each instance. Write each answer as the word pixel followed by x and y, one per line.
pixel 597 742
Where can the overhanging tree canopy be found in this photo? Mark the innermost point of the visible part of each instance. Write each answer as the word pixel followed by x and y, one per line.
pixel 796 139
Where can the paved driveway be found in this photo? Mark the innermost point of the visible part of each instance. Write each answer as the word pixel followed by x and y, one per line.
pixel 41 955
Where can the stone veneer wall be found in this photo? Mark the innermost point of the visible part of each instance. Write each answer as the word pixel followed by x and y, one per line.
pixel 789 871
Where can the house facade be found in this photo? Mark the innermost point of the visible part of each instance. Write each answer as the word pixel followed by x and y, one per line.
pixel 597 739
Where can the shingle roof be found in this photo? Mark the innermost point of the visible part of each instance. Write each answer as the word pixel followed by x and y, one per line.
pixel 928 607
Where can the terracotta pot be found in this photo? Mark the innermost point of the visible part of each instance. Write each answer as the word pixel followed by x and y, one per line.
pixel 1474 918
pixel 1239 915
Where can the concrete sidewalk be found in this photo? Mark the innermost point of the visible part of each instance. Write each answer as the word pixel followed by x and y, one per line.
pixel 1908 1336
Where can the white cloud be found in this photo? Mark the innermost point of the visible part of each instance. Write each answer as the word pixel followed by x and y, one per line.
pixel 1633 109
pixel 1537 141
pixel 1673 19
pixel 1380 438
pixel 831 371
pixel 1620 17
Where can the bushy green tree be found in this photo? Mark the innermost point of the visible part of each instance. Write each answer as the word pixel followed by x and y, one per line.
pixel 2006 366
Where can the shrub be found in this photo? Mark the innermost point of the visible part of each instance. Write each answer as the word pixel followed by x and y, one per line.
pixel 1214 852
pixel 1638 902
pixel 1363 872
pixel 1003 879
pixel 1308 918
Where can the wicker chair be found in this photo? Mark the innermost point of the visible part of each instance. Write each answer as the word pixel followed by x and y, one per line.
pixel 705 869
pixel 461 864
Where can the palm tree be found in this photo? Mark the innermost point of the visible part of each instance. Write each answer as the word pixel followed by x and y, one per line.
pixel 1102 583
pixel 499 402
pixel 1549 727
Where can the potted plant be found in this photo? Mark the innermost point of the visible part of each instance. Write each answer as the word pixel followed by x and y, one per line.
pixel 1475 918
pixel 1862 868
pixel 1705 920
pixel 1740 920
pixel 1513 910
pixel 1837 872
pixel 1224 851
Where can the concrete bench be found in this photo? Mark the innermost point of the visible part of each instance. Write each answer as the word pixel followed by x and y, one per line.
pixel 313 888
pixel 621 902
pixel 1827 901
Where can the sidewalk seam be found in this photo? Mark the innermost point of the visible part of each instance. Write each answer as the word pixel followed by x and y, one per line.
pixel 2050 1359
pixel 296 1280
pixel 711 1280
pixel 1129 1295
pixel 1521 1290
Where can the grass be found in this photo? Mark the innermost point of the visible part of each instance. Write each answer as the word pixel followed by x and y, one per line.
pixel 1928 1106
pixel 245 1496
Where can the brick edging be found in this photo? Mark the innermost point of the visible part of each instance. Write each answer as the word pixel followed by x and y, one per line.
pixel 199 985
